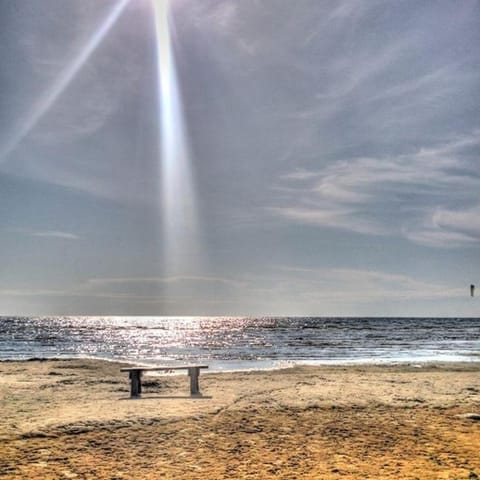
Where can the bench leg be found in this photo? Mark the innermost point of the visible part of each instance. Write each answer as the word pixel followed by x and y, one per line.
pixel 193 373
pixel 135 383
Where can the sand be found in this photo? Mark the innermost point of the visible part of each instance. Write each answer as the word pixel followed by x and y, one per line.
pixel 73 419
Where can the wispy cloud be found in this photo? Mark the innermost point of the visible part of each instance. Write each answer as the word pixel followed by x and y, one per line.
pixel 281 290
pixel 56 234
pixel 189 291
pixel 429 196
pixel 32 292
pixel 448 228
pixel 47 100
pixel 68 96
pixel 43 233
pixel 365 285
pixel 199 279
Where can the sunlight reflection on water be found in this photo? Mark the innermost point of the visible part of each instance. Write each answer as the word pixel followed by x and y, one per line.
pixel 233 342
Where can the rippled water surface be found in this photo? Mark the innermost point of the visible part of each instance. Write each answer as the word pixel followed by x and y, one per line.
pixel 232 342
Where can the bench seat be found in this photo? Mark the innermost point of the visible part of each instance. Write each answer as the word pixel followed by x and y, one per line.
pixel 135 374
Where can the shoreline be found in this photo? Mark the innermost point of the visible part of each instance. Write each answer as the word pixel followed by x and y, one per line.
pixel 74 419
pixel 273 365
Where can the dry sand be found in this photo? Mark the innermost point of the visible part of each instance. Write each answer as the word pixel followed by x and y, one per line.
pixel 73 419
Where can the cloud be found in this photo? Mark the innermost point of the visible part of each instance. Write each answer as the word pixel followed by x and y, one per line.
pixel 464 222
pixel 178 293
pixel 67 115
pixel 347 8
pixel 44 233
pixel 30 292
pixel 68 118
pixel 448 228
pixel 198 279
pixel 184 290
pixel 56 234
pixel 429 196
pixel 221 15
pixel 363 285
pixel 282 290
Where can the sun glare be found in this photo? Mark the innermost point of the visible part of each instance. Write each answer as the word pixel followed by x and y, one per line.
pixel 47 100
pixel 180 226
pixel 178 204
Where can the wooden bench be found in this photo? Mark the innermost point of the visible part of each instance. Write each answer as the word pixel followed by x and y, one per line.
pixel 135 374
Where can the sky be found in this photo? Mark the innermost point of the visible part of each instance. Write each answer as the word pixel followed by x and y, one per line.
pixel 300 158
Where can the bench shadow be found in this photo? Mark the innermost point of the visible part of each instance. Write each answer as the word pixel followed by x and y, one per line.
pixel 169 397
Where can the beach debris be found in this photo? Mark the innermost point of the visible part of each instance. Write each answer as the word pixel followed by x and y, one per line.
pixel 470 416
pixel 472 290
pixel 69 474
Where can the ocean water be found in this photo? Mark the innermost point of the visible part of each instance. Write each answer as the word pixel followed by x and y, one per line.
pixel 230 343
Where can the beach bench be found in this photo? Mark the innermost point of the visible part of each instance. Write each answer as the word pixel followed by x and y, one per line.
pixel 135 374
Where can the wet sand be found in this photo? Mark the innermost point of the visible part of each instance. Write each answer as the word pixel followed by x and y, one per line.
pixel 74 419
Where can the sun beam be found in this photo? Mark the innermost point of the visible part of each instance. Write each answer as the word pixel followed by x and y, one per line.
pixel 180 225
pixel 47 100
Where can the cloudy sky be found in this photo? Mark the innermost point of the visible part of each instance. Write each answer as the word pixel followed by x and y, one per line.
pixel 333 158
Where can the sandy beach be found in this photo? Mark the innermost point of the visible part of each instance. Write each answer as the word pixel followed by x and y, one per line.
pixel 74 419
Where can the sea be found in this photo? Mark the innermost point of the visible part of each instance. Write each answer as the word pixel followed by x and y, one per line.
pixel 242 343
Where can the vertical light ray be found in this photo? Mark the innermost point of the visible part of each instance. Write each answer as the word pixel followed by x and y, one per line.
pixel 180 224
pixel 47 100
